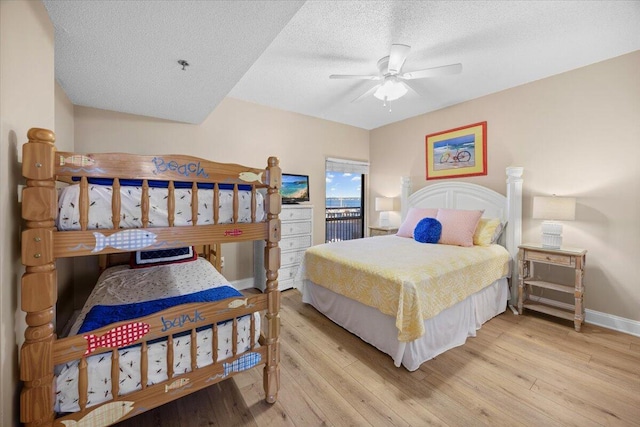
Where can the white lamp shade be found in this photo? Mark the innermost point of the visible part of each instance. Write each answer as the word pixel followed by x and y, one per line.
pixel 554 208
pixel 384 204
pixel 390 90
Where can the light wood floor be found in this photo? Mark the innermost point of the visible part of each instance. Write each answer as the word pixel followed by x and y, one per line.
pixel 519 370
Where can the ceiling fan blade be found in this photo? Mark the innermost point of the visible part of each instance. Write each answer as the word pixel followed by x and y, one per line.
pixel 366 94
pixel 410 88
pixel 351 76
pixel 433 72
pixel 397 57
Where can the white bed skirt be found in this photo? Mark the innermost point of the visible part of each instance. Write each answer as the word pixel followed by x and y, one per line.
pixel 447 330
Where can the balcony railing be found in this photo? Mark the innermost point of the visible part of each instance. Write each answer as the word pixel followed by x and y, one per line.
pixel 343 224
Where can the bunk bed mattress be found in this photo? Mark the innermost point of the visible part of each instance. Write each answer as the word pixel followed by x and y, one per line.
pixel 122 285
pixel 100 211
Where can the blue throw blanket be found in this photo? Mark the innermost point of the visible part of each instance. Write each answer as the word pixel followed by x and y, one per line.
pixel 102 315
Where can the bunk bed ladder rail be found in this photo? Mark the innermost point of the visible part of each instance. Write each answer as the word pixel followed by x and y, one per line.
pixel 38 284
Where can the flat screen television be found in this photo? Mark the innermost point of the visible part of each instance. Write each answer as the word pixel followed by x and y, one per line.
pixel 295 188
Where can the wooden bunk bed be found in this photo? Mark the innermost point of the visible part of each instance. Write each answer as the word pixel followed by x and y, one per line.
pixel 43 242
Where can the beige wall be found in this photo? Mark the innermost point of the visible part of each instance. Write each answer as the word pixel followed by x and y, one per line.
pixel 26 100
pixel 236 132
pixel 575 134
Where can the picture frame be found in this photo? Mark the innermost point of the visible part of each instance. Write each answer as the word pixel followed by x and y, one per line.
pixel 458 152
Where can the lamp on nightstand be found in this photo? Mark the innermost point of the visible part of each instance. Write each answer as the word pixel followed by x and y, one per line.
pixel 384 205
pixel 552 209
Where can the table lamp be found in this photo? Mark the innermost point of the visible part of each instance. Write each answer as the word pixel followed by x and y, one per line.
pixel 384 205
pixel 553 209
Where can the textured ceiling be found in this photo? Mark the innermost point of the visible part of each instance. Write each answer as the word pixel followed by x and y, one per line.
pixel 122 56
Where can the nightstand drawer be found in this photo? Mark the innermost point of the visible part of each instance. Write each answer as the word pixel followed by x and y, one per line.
pixel 382 231
pixel 551 258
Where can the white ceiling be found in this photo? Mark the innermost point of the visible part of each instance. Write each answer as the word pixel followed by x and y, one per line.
pixel 122 55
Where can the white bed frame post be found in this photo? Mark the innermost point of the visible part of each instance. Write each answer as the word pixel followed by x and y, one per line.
pixel 514 215
pixel 404 195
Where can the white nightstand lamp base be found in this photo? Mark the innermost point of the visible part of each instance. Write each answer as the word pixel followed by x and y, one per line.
pixel 384 219
pixel 551 235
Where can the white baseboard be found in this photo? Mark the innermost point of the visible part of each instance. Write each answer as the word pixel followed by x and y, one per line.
pixel 243 283
pixel 609 321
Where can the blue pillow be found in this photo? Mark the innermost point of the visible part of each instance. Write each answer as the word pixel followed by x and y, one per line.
pixel 428 230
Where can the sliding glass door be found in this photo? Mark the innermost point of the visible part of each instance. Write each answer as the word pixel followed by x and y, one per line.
pixel 344 207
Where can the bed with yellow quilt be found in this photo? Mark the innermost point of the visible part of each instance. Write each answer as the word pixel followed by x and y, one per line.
pixel 414 299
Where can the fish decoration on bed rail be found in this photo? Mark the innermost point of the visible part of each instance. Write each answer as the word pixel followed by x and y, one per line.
pixel 77 160
pixel 128 240
pixel 103 416
pixel 250 176
pixel 118 337
pixel 176 384
pixel 244 362
pixel 238 303
pixel 81 162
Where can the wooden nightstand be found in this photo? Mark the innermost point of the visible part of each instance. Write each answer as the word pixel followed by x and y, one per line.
pixel 563 257
pixel 382 231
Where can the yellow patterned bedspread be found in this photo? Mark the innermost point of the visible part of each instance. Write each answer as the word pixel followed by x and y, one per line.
pixel 403 278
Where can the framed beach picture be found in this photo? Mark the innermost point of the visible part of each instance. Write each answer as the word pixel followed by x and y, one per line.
pixel 457 152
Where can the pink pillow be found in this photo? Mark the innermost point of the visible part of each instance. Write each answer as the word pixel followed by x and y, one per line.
pixel 413 217
pixel 458 226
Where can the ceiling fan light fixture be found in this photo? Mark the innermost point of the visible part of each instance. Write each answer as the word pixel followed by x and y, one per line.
pixel 390 90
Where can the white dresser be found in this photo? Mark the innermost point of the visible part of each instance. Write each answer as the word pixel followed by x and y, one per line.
pixel 296 236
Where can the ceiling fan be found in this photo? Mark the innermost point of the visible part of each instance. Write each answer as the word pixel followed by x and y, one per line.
pixel 393 82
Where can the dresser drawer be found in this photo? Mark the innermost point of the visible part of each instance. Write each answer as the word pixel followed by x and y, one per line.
pixel 550 258
pixel 295 214
pixel 295 242
pixel 291 228
pixel 283 285
pixel 291 257
pixel 287 273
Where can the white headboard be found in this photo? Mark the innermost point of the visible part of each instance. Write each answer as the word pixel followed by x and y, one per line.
pixel 463 195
